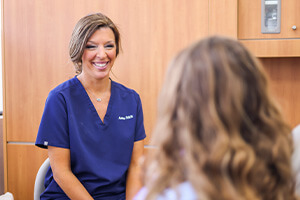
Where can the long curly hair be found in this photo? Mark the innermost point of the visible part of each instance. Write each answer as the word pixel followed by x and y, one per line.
pixel 219 129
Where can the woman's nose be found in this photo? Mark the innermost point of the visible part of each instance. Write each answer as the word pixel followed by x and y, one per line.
pixel 101 52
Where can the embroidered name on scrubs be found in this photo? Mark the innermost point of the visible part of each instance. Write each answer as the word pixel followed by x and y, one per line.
pixel 126 117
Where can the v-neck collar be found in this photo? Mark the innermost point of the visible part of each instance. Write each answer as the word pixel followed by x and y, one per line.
pixel 91 106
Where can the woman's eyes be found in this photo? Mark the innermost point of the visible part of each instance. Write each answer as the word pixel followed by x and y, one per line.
pixel 109 46
pixel 91 47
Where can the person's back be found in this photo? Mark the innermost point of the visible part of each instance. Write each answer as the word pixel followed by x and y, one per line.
pixel 218 129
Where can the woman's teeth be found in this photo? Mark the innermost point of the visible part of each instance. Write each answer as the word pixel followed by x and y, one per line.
pixel 100 65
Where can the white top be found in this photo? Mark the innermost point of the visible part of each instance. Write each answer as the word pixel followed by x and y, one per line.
pixel 184 191
pixel 296 158
pixel 7 196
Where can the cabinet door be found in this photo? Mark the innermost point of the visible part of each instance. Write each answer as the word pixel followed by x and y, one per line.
pixel 23 164
pixel 249 25
pixel 284 83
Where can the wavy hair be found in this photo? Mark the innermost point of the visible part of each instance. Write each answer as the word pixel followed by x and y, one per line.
pixel 218 128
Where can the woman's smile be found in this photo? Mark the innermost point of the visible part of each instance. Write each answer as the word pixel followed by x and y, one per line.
pixel 100 65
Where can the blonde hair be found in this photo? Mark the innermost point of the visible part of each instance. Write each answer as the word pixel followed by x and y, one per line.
pixel 83 30
pixel 218 128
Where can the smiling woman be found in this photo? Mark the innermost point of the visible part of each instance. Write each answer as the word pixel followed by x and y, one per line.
pixel 82 116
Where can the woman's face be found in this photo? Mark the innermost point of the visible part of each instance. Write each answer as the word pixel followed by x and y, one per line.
pixel 99 54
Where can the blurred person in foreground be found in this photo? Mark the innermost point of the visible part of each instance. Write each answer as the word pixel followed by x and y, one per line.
pixel 219 135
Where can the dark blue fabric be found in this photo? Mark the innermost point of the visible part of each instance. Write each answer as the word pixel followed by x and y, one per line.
pixel 100 151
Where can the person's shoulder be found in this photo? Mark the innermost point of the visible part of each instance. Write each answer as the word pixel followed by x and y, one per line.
pixel 296 133
pixel 183 191
pixel 123 90
pixel 187 191
pixel 296 158
pixel 141 195
pixel 66 85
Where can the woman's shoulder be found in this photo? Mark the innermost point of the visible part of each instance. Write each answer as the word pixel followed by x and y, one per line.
pixel 124 90
pixel 66 85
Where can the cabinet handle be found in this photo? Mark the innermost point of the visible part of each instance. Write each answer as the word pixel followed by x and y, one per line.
pixel 294 27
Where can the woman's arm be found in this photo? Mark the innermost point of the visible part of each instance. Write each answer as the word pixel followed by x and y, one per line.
pixel 133 183
pixel 61 167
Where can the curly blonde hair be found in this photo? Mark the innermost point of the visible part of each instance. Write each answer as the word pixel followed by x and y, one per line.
pixel 219 129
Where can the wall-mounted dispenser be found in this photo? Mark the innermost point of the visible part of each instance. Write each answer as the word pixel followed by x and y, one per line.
pixel 270 16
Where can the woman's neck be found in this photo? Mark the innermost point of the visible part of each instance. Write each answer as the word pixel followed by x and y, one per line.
pixel 96 86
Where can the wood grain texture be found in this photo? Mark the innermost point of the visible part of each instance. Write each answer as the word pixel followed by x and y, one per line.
pixel 150 40
pixel 35 60
pixel 24 162
pixel 273 48
pixel 284 75
pixel 223 17
pixel 249 17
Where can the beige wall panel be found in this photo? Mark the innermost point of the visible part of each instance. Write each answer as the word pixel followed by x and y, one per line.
pixel 249 18
pixel 284 74
pixel 23 164
pixel 35 56
pixel 249 26
pixel 36 40
pixel 223 17
pixel 152 34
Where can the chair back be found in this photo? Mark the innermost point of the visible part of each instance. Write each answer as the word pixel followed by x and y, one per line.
pixel 40 178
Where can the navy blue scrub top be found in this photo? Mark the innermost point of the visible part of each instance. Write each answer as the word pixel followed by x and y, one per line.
pixel 100 151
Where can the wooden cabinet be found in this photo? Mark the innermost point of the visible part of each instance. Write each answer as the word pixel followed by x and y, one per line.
pixel 284 77
pixel 249 26
pixel 23 163
pixel 283 44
